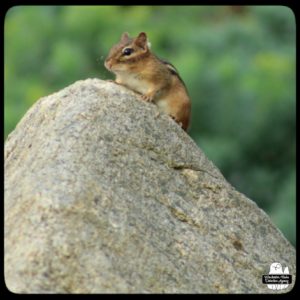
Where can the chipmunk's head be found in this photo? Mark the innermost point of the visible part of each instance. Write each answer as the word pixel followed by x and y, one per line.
pixel 126 52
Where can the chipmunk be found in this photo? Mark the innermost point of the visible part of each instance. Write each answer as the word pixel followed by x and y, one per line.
pixel 137 68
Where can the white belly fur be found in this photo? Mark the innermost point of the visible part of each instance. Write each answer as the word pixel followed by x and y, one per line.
pixel 135 83
pixel 162 105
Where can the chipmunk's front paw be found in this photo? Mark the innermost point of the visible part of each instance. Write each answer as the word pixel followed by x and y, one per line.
pixel 147 98
pixel 114 81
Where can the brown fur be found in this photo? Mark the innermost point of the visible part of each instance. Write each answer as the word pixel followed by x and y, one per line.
pixel 156 80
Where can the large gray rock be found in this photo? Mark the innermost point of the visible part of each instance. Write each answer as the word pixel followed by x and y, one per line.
pixel 102 194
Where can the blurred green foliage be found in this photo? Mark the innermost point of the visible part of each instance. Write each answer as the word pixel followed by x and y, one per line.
pixel 237 62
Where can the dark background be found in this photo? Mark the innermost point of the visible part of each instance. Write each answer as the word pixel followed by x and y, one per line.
pixel 238 63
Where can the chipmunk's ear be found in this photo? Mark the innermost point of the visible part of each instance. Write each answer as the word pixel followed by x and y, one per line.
pixel 125 37
pixel 141 40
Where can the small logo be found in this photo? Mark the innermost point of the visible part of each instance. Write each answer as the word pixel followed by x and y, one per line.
pixel 278 279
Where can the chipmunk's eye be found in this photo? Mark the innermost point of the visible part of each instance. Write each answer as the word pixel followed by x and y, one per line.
pixel 127 51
